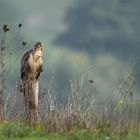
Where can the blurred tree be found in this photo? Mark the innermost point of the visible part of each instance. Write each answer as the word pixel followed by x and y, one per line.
pixel 97 26
pixel 112 26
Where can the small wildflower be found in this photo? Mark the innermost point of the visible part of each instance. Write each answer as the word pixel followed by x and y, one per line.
pixel 120 102
pixel 5 28
pixel 107 138
pixel 116 109
pixel 5 122
pixel 95 130
pixel 52 108
pixel 112 133
pixel 71 131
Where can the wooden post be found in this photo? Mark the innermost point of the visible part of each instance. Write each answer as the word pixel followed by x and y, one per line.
pixel 31 91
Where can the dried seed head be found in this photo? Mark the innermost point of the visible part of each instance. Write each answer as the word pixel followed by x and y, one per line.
pixel 24 43
pixel 19 25
pixel 91 81
pixel 5 28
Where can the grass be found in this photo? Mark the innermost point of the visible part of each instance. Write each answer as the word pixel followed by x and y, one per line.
pixel 20 131
pixel 79 119
pixel 77 135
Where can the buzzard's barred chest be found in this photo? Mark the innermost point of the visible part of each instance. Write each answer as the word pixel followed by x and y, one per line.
pixel 37 61
pixel 31 64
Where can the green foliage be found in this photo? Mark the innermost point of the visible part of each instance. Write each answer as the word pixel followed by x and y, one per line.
pixel 18 129
pixel 103 128
pixel 76 135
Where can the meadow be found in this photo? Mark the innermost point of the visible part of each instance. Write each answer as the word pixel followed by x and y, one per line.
pixel 17 131
pixel 81 117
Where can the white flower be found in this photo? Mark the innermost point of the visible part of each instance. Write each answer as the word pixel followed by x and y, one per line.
pixel 52 108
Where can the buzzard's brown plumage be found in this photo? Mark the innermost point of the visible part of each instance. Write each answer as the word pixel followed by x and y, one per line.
pixel 31 63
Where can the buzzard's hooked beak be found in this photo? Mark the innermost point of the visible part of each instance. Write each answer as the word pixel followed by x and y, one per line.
pixel 41 46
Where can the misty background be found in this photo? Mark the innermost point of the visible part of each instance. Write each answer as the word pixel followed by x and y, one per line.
pixel 96 37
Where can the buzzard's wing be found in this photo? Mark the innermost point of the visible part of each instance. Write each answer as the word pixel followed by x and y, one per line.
pixel 31 65
pixel 25 67
pixel 38 71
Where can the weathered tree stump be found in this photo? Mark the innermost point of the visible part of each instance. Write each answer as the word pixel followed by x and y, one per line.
pixel 31 91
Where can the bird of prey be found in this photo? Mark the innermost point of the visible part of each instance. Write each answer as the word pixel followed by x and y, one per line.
pixel 31 63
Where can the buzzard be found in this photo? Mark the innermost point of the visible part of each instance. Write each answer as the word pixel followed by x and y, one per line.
pixel 31 63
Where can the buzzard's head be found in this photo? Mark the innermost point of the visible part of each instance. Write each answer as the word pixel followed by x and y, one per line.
pixel 38 46
pixel 38 49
